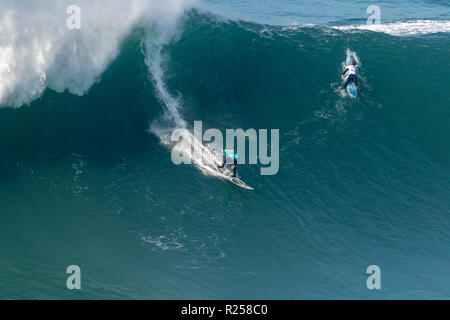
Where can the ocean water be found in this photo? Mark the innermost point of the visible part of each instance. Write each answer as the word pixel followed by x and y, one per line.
pixel 86 176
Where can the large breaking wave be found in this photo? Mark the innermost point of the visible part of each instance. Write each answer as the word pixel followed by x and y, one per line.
pixel 37 50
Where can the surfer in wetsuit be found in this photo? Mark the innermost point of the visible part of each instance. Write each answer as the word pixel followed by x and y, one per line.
pixel 352 69
pixel 230 153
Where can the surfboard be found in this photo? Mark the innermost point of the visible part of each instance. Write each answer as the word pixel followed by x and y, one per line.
pixel 228 175
pixel 225 172
pixel 352 90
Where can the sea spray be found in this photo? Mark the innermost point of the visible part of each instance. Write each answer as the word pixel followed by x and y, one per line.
pixel 192 148
pixel 38 50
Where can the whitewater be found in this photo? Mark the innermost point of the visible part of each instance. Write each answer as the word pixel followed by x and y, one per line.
pixel 37 50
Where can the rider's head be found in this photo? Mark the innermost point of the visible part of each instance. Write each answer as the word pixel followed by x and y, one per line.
pixel 353 62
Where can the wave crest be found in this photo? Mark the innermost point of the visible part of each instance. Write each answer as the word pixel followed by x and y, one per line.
pixel 37 50
pixel 408 28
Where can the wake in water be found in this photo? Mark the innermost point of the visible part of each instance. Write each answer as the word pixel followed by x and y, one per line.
pixel 205 159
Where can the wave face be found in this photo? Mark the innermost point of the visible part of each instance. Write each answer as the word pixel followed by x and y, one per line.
pixel 85 177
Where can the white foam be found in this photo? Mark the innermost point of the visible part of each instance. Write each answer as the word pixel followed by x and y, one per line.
pixel 37 50
pixel 205 159
pixel 408 28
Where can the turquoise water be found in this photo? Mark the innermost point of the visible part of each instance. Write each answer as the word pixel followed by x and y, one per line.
pixel 83 181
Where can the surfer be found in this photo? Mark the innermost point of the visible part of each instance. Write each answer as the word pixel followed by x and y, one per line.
pixel 352 69
pixel 230 154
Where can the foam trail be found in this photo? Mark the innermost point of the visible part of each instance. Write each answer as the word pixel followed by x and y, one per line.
pixel 171 120
pixel 38 51
pixel 154 61
pixel 409 28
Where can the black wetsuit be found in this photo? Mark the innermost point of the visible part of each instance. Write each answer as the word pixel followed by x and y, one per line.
pixel 350 78
pixel 235 165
